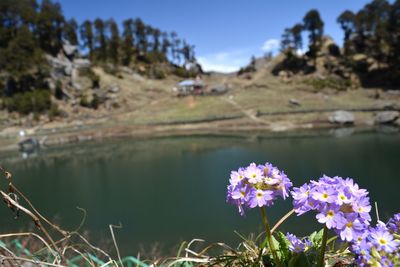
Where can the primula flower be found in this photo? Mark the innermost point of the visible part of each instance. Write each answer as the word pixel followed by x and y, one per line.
pixel 340 204
pixel 297 245
pixel 376 246
pixel 237 176
pixel 394 223
pixel 332 217
pixel 382 239
pixel 253 174
pixel 260 198
pixel 257 186
pixel 352 229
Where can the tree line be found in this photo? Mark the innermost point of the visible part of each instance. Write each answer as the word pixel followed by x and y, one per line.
pixel 373 31
pixel 29 29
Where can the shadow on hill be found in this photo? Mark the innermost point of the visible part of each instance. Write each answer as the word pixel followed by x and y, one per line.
pixel 293 64
pixel 385 78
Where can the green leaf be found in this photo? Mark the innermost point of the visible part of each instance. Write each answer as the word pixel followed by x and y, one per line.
pixel 316 238
pixel 283 246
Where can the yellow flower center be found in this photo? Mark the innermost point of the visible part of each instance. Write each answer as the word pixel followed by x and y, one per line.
pixel 325 195
pixel 243 193
pixel 343 197
pixel 259 194
pixel 254 175
pixel 382 241
pixel 330 214
pixel 240 177
pixel 266 170
pixel 349 224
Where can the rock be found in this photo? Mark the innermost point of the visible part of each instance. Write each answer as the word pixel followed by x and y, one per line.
pixel 61 66
pixel 76 86
pixel 342 117
pixel 386 117
pixel 294 102
pixel 114 89
pixel 82 63
pixel 70 50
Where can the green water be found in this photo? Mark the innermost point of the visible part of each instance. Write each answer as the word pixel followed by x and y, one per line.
pixel 171 189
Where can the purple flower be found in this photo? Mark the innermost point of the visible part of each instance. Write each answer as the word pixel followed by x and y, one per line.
pixel 242 193
pixel 362 207
pixel 383 240
pixel 341 204
pixel 256 186
pixel 332 217
pixel 297 245
pixel 394 223
pixel 237 176
pixel 253 174
pixel 352 229
pixel 260 198
pixel 325 194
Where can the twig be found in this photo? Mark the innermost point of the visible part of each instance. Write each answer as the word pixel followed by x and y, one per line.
pixel 284 218
pixel 31 234
pixel 11 202
pixel 42 263
pixel 115 242
pixel 376 211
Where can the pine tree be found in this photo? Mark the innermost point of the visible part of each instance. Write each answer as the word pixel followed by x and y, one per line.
pixel 347 23
pixel 49 26
pixel 86 32
pixel 114 42
pixel 128 42
pixel 100 40
pixel 70 31
pixel 140 33
pixel 315 26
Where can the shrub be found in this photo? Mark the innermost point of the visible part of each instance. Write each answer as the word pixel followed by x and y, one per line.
pixel 328 82
pixel 37 101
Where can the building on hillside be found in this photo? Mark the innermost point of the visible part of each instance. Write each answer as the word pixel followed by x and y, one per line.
pixel 191 87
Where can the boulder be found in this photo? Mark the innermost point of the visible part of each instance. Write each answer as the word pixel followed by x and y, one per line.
pixel 342 117
pixel 60 65
pixel 386 117
pixel 294 102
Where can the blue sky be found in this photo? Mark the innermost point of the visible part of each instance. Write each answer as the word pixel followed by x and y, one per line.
pixel 226 33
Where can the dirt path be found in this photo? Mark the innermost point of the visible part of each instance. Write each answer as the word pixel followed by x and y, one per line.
pixel 247 112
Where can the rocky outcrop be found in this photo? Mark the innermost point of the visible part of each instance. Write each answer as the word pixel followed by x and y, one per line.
pixel 386 117
pixel 342 117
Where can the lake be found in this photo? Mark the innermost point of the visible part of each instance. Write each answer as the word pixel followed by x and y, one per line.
pixel 171 189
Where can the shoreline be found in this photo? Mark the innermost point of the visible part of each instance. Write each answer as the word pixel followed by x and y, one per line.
pixel 273 123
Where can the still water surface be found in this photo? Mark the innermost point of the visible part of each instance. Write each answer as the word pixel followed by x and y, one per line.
pixel 172 189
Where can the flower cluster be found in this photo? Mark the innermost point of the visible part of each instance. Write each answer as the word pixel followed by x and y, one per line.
pixel 296 244
pixel 340 203
pixel 379 246
pixel 394 223
pixel 257 186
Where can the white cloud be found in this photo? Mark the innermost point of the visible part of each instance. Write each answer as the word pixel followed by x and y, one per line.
pixel 227 61
pixel 271 45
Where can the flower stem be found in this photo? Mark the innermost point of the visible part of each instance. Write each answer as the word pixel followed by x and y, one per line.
pixel 323 247
pixel 269 237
